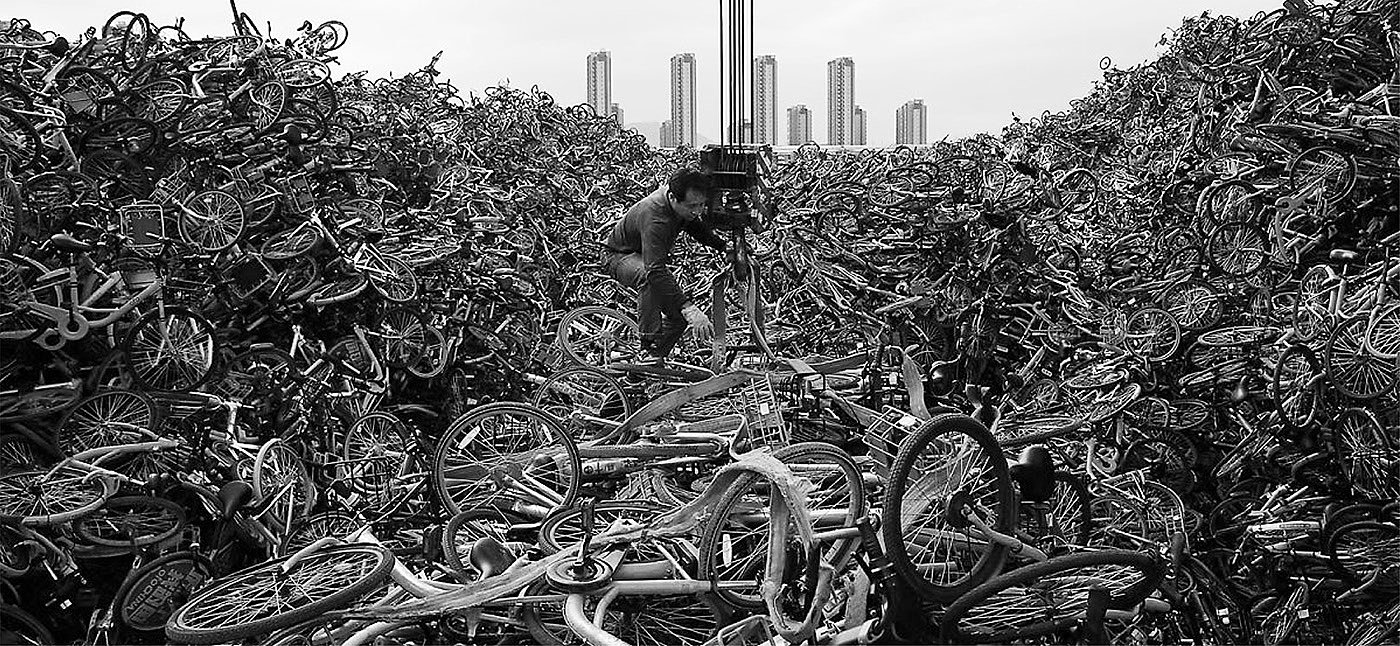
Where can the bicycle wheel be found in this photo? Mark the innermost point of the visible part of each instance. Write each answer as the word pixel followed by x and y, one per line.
pixel 261 599
pixel 1383 332
pixel 1152 334
pixel 339 291
pixel 1237 248
pixel 38 403
pixel 212 221
pixel 1352 369
pixel 589 391
pixel 128 135
pixel 18 140
pixel 106 419
pixel 149 595
pixel 50 498
pixel 1366 552
pixel 733 547
pixel 132 522
pixel 170 352
pixel 1324 172
pixel 1296 388
pixel 17 626
pixel 1048 596
pixel 403 336
pixel 1195 305
pixel 504 453
pixel 1366 455
pixel 949 463
pixel 263 371
pixel 291 243
pixel 375 449
pixel 1067 518
pixel 393 278
pixel 597 336
pixel 278 472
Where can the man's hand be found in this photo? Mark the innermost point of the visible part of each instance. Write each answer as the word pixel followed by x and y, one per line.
pixel 699 323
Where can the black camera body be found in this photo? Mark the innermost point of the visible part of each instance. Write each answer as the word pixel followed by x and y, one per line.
pixel 740 199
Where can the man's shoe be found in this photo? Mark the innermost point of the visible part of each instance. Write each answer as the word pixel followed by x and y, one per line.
pixel 649 358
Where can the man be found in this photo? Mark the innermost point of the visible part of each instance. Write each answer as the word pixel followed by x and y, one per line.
pixel 638 248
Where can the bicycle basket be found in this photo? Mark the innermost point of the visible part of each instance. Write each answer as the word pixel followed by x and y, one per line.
pixel 759 404
pixel 187 291
pixel 883 436
pixel 137 274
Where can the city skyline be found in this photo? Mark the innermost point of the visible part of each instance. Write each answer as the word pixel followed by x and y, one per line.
pixel 994 59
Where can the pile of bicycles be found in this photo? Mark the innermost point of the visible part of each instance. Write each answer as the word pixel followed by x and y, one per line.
pixel 289 359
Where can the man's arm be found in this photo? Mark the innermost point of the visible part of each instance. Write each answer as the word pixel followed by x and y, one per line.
pixel 703 234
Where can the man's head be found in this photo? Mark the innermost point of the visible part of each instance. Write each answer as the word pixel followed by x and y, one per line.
pixel 688 191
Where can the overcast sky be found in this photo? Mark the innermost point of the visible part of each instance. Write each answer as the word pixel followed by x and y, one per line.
pixel 973 63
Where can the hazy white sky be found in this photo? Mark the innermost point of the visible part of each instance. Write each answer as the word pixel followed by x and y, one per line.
pixel 973 63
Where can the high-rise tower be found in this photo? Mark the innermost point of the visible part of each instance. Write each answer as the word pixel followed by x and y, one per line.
pixel 600 82
pixel 683 99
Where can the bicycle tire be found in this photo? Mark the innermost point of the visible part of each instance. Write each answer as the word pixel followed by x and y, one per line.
pixel 1363 452
pixel 998 496
pixel 403 335
pixel 111 525
pixel 468 525
pixel 1352 370
pixel 338 291
pixel 618 332
pixel 212 221
pixel 844 505
pixel 1295 388
pixel 394 279
pixel 156 363
pixel 372 452
pixel 459 464
pixel 278 470
pixel 38 403
pixel 291 244
pixel 353 570
pixel 51 497
pixel 1146 573
pixel 603 396
pixel 1348 546
pixel 104 419
pixel 25 154
pixel 22 627
pixel 151 593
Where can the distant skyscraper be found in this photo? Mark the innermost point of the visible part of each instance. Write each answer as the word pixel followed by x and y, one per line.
pixel 600 82
pixel 858 127
pixel 745 133
pixel 840 101
pixel 765 99
pixel 616 111
pixel 683 99
pixel 911 123
pixel 799 125
pixel 668 134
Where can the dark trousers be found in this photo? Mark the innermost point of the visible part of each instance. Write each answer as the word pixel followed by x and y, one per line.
pixel 659 299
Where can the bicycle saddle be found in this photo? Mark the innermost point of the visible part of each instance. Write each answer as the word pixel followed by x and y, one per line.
pixel 489 556
pixel 1034 471
pixel 233 496
pixel 65 242
pixel 1344 257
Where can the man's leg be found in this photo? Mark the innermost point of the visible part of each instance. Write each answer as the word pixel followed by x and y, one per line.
pixel 665 301
pixel 629 270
